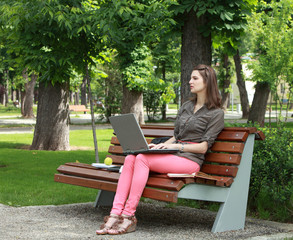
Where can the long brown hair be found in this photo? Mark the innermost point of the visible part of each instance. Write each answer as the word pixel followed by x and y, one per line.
pixel 210 79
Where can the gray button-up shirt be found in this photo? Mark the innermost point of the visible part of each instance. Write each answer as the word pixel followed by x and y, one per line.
pixel 203 125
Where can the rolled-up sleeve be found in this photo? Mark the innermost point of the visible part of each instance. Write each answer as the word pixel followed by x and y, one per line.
pixel 214 127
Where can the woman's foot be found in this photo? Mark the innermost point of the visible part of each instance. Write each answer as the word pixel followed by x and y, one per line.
pixel 127 225
pixel 110 221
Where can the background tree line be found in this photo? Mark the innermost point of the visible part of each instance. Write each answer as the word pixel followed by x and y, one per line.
pixel 133 51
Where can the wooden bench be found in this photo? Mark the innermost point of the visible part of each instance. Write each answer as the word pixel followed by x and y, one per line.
pixel 224 176
pixel 78 108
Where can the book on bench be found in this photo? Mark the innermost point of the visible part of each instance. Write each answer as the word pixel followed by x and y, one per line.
pixel 192 175
pixel 180 175
pixel 113 168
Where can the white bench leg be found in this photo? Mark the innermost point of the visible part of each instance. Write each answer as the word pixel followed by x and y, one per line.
pixel 104 198
pixel 232 213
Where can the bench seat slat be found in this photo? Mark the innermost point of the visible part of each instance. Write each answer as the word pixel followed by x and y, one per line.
pixel 157 194
pixel 162 195
pixel 169 184
pixel 221 170
pixel 220 181
pixel 81 165
pixel 89 173
pixel 202 178
pixel 153 182
pixel 86 182
pixel 165 183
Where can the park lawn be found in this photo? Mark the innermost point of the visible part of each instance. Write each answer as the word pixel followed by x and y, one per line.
pixel 11 110
pixel 27 177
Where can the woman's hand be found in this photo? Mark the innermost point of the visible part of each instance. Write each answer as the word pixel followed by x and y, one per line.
pixel 193 148
pixel 163 146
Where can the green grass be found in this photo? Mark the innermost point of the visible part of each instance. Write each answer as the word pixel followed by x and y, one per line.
pixel 9 110
pixel 173 106
pixel 28 176
pixel 274 125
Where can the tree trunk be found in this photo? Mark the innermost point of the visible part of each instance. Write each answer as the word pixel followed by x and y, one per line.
pixel 2 90
pixel 76 97
pixel 23 93
pixel 196 49
pixel 259 103
pixel 241 86
pixel 132 102
pixel 6 80
pixel 83 92
pixel 18 95
pixel 226 82
pixel 88 81
pixel 71 97
pixel 13 94
pixel 52 126
pixel 164 105
pixel 28 101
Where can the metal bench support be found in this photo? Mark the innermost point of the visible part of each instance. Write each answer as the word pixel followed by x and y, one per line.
pixel 104 198
pixel 232 212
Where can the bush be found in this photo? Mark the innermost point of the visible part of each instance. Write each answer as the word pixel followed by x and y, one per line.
pixel 270 193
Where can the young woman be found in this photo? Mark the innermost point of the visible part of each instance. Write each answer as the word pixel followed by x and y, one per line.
pixel 198 123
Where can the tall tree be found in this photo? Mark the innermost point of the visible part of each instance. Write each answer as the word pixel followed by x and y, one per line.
pixel 129 25
pixel 241 86
pixel 201 21
pixel 27 95
pixel 55 37
pixel 271 38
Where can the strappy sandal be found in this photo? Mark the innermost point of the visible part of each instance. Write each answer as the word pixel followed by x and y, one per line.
pixel 122 227
pixel 109 222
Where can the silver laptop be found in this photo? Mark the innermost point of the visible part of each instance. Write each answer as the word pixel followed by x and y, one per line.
pixel 131 137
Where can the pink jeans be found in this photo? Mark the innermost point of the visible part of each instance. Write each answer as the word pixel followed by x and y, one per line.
pixel 135 174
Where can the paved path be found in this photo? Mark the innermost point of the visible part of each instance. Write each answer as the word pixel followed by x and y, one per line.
pixel 156 221
pixel 83 121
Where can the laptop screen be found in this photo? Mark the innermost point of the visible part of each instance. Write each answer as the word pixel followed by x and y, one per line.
pixel 128 132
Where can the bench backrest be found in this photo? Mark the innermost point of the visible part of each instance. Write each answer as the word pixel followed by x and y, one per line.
pixel 78 108
pixel 221 164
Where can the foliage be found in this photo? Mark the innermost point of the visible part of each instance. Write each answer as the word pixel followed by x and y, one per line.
pixel 157 97
pixel 139 73
pixel 271 184
pixel 109 89
pixel 54 37
pixel 271 38
pixel 126 24
pixel 225 17
pixel 131 27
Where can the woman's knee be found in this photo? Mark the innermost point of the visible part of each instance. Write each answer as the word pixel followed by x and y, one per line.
pixel 142 159
pixel 129 160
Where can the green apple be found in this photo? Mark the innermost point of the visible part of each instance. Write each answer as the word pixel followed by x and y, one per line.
pixel 108 161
